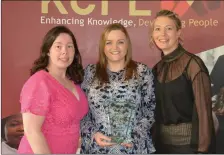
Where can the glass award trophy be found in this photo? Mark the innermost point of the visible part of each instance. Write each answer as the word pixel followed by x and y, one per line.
pixel 121 116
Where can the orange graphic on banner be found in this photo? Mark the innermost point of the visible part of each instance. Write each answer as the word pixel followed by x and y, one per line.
pixel 178 7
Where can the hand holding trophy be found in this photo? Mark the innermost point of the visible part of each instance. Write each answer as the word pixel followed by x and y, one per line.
pixel 102 140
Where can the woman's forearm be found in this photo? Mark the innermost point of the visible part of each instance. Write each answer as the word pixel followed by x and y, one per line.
pixel 38 142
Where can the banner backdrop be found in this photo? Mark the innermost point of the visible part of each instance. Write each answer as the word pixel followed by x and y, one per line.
pixel 24 24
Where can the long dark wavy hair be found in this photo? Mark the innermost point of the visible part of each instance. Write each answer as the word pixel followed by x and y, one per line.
pixel 75 70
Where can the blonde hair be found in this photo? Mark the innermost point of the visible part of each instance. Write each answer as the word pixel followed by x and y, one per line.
pixel 171 15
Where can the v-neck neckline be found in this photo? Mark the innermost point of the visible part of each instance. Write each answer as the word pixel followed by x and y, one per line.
pixel 66 89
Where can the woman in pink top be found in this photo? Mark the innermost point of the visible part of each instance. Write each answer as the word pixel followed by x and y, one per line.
pixel 52 103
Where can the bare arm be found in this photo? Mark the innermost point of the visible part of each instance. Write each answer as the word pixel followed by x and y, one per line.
pixel 32 130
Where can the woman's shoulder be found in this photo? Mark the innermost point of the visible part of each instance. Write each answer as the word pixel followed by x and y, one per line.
pixel 90 68
pixel 157 65
pixel 196 63
pixel 144 71
pixel 37 78
pixel 141 67
pixel 6 149
pixel 39 75
pixel 89 73
pixel 141 64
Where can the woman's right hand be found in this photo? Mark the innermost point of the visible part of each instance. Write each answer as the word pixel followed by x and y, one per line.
pixel 102 140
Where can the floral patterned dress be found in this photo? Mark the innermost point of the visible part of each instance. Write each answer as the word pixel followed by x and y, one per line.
pixel 139 90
